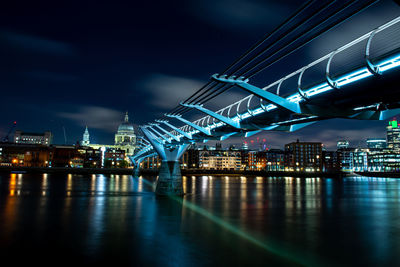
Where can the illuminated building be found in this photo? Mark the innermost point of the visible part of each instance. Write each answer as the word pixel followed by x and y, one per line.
pixel 114 158
pixel 303 156
pixel 346 159
pixel 272 160
pixel 331 161
pixel 86 138
pixel 393 136
pixel 190 159
pixel 220 160
pixel 383 161
pixel 376 143
pixel 360 159
pixel 33 138
pixel 342 144
pixel 125 137
pixel 245 146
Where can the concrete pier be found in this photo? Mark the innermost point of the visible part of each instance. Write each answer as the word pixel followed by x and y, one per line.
pixel 169 179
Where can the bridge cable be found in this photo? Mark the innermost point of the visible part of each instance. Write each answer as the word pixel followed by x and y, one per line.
pixel 251 49
pixel 301 45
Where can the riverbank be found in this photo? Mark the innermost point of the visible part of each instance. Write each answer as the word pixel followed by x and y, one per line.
pixel 151 172
pixel 66 170
pixel 195 172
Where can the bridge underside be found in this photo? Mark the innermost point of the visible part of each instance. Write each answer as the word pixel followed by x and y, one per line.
pixel 369 90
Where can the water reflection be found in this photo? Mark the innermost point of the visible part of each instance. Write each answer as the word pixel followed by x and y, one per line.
pixel 251 219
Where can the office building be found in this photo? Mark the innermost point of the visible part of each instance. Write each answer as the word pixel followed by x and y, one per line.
pixel 21 137
pixel 303 156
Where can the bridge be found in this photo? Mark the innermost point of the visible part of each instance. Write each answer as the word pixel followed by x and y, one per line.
pixel 355 81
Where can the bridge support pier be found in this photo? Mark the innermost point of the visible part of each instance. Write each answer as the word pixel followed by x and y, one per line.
pixel 169 179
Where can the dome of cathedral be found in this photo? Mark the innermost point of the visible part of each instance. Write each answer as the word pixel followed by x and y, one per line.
pixel 126 126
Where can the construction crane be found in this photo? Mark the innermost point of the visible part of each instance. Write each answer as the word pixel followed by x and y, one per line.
pixel 6 138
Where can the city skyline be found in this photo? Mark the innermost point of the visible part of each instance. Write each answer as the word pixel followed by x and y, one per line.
pixel 97 78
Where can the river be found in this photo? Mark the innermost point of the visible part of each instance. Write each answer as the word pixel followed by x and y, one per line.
pixel 52 219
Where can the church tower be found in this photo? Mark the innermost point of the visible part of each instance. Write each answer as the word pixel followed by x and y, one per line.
pixel 86 138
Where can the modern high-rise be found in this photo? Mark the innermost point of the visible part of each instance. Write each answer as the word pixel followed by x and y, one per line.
pixel 393 136
pixel 342 144
pixel 376 143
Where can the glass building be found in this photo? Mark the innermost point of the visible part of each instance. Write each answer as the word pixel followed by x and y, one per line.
pixel 393 136
pixel 376 143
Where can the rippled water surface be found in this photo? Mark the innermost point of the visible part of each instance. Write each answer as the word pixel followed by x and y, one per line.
pixel 52 219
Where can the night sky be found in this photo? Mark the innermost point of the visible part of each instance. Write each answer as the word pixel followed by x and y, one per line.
pixel 71 64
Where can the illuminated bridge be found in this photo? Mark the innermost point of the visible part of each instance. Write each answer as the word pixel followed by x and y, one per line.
pixel 356 81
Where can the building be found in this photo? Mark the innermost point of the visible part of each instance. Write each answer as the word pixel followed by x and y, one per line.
pixel 393 136
pixel 383 161
pixel 346 159
pixel 303 156
pixel 342 144
pixel 331 161
pixel 125 138
pixel 86 138
pixel 114 158
pixel 190 159
pixel 271 160
pixel 21 137
pixel 376 143
pixel 220 160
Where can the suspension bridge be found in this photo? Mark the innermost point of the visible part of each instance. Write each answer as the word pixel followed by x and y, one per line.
pixel 358 80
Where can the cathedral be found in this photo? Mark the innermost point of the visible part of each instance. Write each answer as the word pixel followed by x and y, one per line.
pixel 125 137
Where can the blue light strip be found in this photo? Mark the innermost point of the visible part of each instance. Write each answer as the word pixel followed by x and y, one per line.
pixel 360 74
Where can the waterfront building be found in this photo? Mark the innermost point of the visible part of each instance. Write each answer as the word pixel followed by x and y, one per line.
pixel 360 159
pixel 393 136
pixel 303 156
pixel 271 160
pixel 220 160
pixel 342 144
pixel 125 138
pixel 151 163
pixel 253 160
pixel 346 159
pixel 86 138
pixel 21 137
pixel 114 158
pixel 331 161
pixel 190 159
pixel 383 161
pixel 376 143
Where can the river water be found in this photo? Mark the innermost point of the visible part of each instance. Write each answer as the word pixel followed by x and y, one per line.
pixel 52 219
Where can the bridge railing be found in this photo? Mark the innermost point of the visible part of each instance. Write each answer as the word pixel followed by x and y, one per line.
pixel 365 60
pixel 371 54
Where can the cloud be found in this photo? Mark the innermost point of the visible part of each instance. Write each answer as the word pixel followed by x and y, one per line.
pixel 33 43
pixel 167 91
pixel 95 117
pixel 239 14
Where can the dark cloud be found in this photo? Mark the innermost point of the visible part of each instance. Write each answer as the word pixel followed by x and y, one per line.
pixel 36 44
pixel 242 16
pixel 105 119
